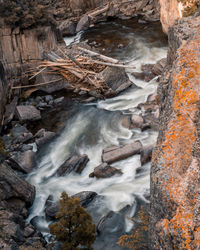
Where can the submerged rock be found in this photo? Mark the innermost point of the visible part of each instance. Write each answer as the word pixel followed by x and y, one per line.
pixel 110 223
pixel 85 197
pixel 73 164
pixel 105 171
pixel 111 155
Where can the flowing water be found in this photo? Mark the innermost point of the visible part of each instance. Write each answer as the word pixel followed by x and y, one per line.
pixel 95 126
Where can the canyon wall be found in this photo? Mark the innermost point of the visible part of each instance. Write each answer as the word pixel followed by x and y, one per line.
pixel 173 10
pixel 175 172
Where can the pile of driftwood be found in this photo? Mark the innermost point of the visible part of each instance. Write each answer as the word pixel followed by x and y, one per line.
pixel 81 69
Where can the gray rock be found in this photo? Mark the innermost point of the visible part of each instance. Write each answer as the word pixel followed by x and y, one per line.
pixel 11 185
pixel 67 28
pixel 159 66
pixel 48 98
pixel 136 121
pixel 105 171
pixel 85 197
pixel 52 209
pixel 22 161
pixel 73 164
pixel 43 136
pixel 116 79
pixel 122 152
pixel 59 100
pixel 146 154
pixel 83 24
pixel 112 222
pixel 28 113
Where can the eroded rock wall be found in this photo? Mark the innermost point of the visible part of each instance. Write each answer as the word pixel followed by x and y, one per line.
pixel 20 50
pixel 175 172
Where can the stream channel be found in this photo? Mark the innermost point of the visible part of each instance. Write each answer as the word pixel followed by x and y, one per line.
pixel 90 128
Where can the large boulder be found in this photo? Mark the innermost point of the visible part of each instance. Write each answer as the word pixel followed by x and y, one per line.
pixel 23 161
pixel 67 28
pixel 85 197
pixel 43 136
pixel 159 66
pixel 111 222
pixel 105 171
pixel 28 113
pixel 11 185
pixel 73 164
pixel 114 154
pixel 116 79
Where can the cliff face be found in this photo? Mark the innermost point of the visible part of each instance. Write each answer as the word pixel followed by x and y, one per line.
pixel 173 10
pixel 175 173
pixel 170 11
pixel 20 50
pixel 3 91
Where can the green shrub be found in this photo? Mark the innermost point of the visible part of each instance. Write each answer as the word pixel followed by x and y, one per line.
pixel 74 228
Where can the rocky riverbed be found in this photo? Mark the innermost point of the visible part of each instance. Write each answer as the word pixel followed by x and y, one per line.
pixel 51 139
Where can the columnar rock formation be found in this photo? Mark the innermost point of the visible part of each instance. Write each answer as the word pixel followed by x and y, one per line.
pixel 175 172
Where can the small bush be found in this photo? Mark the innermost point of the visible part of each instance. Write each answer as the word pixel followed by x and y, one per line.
pixel 74 228
pixel 139 237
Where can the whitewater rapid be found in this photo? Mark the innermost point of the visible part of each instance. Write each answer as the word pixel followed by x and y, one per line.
pixel 94 127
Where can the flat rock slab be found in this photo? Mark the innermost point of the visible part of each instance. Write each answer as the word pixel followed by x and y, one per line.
pixel 23 161
pixel 105 171
pixel 11 185
pixel 28 113
pixel 73 164
pixel 121 153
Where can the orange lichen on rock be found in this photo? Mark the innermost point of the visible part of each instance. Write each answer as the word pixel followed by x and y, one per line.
pixel 179 173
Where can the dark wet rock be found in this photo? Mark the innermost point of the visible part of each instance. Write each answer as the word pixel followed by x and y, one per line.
pixel 73 164
pixel 11 185
pixel 59 100
pixel 105 171
pixel 22 161
pixel 159 66
pixel 110 223
pixel 145 126
pixel 136 121
pixel 83 24
pixel 26 147
pixel 152 121
pixel 52 209
pixel 85 197
pixel 116 79
pixel 122 152
pixel 146 154
pixel 144 76
pixel 29 231
pixel 28 113
pixel 20 134
pixel 67 28
pixel 10 110
pixel 11 226
pixel 48 98
pixel 16 205
pixel 43 136
pixel 147 67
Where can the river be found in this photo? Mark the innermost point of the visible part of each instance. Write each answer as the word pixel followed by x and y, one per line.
pixel 96 126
